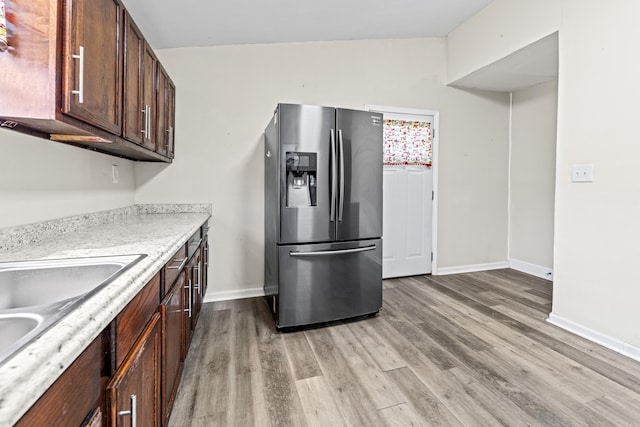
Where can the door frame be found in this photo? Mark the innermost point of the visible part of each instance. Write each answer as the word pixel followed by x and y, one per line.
pixel 434 168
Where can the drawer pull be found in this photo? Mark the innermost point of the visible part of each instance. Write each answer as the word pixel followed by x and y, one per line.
pixel 182 263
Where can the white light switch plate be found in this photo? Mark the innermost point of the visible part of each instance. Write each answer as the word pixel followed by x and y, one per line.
pixel 582 173
pixel 115 176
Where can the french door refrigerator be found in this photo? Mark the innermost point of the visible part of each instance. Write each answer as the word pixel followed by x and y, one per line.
pixel 323 214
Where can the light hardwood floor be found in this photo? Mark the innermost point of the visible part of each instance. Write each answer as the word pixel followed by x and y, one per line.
pixel 470 349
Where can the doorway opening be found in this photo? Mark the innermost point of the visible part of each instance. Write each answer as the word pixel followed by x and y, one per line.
pixel 409 195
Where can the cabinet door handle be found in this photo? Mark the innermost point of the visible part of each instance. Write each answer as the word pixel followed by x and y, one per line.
pixel 131 412
pixel 147 121
pixel 197 285
pixel 189 308
pixel 144 127
pixel 148 126
pixel 80 91
pixel 170 145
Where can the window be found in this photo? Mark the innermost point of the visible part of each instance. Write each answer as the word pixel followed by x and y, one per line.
pixel 407 142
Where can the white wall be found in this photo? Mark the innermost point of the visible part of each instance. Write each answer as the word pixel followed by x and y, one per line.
pixel 42 180
pixel 226 95
pixel 596 224
pixel 473 174
pixel 533 173
pixel 597 227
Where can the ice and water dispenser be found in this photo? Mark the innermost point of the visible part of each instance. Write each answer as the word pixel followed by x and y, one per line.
pixel 301 179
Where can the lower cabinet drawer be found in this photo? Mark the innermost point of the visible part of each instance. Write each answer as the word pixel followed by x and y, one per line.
pixel 132 320
pixel 194 243
pixel 173 268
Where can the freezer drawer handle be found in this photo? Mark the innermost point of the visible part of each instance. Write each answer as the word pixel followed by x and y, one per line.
pixel 338 252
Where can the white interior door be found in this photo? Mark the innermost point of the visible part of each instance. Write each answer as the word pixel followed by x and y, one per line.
pixel 407 217
pixel 407 213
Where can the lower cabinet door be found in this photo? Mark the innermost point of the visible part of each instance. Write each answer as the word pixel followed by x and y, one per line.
pixel 133 394
pixel 172 341
pixel 196 294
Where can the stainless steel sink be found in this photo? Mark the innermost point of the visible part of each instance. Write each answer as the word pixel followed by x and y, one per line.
pixel 13 327
pixel 34 295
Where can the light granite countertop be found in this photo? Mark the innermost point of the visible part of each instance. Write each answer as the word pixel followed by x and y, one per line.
pixel 29 373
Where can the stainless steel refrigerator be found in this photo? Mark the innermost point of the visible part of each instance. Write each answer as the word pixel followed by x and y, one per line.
pixel 323 214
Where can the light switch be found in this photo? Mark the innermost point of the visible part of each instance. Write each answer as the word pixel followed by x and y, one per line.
pixel 115 176
pixel 582 173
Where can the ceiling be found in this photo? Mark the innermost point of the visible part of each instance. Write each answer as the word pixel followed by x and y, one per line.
pixel 188 23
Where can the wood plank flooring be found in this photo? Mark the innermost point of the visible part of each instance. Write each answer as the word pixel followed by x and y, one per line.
pixel 462 350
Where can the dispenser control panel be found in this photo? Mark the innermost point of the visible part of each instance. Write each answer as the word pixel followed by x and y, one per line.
pixel 301 179
pixel 301 161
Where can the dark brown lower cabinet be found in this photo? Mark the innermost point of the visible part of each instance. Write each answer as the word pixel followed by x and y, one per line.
pixel 205 269
pixel 197 295
pixel 133 394
pixel 172 309
pixel 133 319
pixel 187 292
pixel 133 369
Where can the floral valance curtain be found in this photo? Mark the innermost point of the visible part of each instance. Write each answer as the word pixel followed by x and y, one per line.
pixel 3 27
pixel 407 142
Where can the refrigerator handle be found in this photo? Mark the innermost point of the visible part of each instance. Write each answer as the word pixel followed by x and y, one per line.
pixel 336 252
pixel 341 206
pixel 334 176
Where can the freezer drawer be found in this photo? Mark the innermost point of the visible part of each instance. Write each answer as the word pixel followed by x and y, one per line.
pixel 325 282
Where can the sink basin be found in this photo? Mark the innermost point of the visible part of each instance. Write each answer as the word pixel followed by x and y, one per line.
pixel 29 283
pixel 13 327
pixel 34 295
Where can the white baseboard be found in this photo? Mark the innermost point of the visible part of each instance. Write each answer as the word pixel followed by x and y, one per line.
pixel 471 268
pixel 595 336
pixel 236 294
pixel 532 269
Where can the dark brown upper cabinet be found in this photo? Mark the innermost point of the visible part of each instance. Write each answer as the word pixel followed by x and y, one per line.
pixel 140 63
pixel 92 66
pixel 80 72
pixel 166 113
pixel 133 117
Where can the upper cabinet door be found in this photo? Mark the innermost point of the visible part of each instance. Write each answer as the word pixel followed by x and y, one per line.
pixel 139 87
pixel 92 65
pixel 134 114
pixel 171 118
pixel 149 65
pixel 166 111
